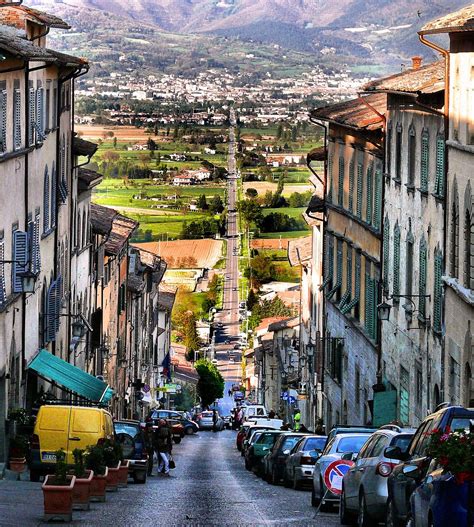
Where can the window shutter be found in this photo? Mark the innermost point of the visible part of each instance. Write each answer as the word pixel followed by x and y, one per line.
pixel 438 292
pixel 36 261
pixel 378 199
pixel 46 196
pixel 386 254
pixel 368 302
pixel 330 178
pixel 53 197
pixel 347 295
pixel 339 263
pixel 31 116
pixel 388 147
pixel 3 287
pixel 359 190
pixel 63 187
pixel 370 175
pixel 424 161
pixel 17 119
pixel 351 185
pixel 20 257
pixel 58 295
pixel 422 280
pixel 340 185
pixel 396 262
pixel 40 114
pixel 50 315
pixel 331 259
pixel 440 154
pixel 3 121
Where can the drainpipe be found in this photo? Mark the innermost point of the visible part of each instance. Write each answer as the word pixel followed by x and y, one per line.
pixel 25 197
pixel 447 85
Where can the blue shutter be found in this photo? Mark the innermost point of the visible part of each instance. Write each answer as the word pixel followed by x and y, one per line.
pixel 50 315
pixel 425 154
pixel 31 116
pixel 17 119
pixel 58 299
pixel 3 288
pixel 351 185
pixel 440 160
pixel 359 190
pixel 40 114
pixel 53 196
pixel 340 185
pixel 3 121
pixel 46 196
pixel 20 257
pixel 36 261
pixel 369 192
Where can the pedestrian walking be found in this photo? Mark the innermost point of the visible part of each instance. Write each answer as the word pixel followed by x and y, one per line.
pixel 163 445
pixel 150 449
pixel 271 414
pixel 297 420
pixel 215 418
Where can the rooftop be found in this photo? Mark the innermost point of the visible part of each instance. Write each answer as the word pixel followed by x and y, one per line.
pixel 300 250
pixel 286 323
pixel 122 229
pixel 166 296
pixel 88 179
pixel 81 147
pixel 426 79
pixel 102 218
pixel 462 20
pixel 354 113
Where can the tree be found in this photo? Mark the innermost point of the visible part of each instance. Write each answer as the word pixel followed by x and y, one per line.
pixel 216 206
pixel 269 308
pixel 250 211
pixel 202 202
pixel 279 131
pixel 210 385
pixel 190 335
pixel 110 156
pixel 151 145
pixel 261 270
pixel 268 198
pixel 251 193
pixel 252 299
pixel 114 142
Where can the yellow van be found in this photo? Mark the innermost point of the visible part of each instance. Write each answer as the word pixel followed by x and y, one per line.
pixel 66 427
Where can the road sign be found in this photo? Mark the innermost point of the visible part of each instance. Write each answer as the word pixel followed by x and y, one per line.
pixel 284 396
pixel 334 473
pixel 291 399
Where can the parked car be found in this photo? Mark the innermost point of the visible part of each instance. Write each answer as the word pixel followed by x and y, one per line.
pixel 239 440
pixel 275 461
pixel 258 450
pixel 438 500
pixel 65 427
pixel 190 426
pixel 206 421
pixel 349 429
pixel 174 420
pixel 402 482
pixel 364 488
pixel 251 430
pixel 129 434
pixel 248 443
pixel 334 450
pixel 301 460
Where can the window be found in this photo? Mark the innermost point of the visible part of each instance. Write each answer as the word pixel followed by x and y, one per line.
pixel 419 385
pixel 47 109
pixel 54 105
pixel 370 303
pixel 438 291
pixel 369 193
pixel 52 310
pixel 40 114
pixel 329 262
pixel 20 258
pixel 469 248
pixel 53 196
pixel 424 160
pixel 31 114
pixel 336 355
pixel 46 205
pixel 396 261
pixel 17 118
pixel 359 190
pixel 35 258
pixel 386 254
pixel 340 184
pixel 398 153
pixel 422 279
pixel 411 157
pixel 63 188
pixel 378 186
pixel 409 266
pixel 440 160
pixel 347 295
pixel 454 245
pixel 3 288
pixel 354 303
pixel 351 184
pixel 337 286
pixel 3 118
pixel 389 147
pixel 330 178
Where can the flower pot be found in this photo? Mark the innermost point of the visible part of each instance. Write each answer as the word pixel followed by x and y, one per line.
pixel 123 473
pixel 81 492
pixel 58 499
pixel 17 464
pixel 113 478
pixel 98 486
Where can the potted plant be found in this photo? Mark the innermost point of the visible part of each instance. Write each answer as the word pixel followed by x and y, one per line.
pixel 18 452
pixel 123 473
pixel 82 487
pixel 94 456
pixel 112 457
pixel 57 491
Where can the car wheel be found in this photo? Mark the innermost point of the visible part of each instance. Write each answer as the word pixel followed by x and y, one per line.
pixel 189 431
pixel 391 519
pixel 344 517
pixel 315 501
pixel 363 518
pixel 295 483
pixel 247 465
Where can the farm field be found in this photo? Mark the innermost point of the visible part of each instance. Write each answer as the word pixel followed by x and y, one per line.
pixel 295 212
pixel 262 186
pixel 283 235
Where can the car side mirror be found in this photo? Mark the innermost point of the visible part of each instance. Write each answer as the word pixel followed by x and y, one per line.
pixel 348 456
pixel 411 471
pixel 286 452
pixel 395 452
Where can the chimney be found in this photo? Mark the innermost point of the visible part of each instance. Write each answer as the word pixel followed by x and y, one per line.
pixel 416 62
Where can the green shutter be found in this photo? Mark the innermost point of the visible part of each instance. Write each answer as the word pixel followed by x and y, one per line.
pixel 396 261
pixel 347 295
pixel 438 292
pixel 351 185
pixel 440 160
pixel 370 197
pixel 368 303
pixel 359 190
pixel 422 280
pixel 425 155
pixel 340 185
pixel 386 253
pixel 329 182
pixel 378 199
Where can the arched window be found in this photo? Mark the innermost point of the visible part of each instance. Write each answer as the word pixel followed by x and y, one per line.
pixel 454 227
pixel 468 239
pixel 46 197
pixel 411 156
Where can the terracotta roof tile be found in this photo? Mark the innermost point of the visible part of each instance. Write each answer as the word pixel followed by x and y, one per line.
pixel 102 218
pixel 287 323
pixel 300 250
pixel 16 15
pixel 462 20
pixel 88 179
pixel 427 79
pixel 354 113
pixel 81 147
pixel 166 296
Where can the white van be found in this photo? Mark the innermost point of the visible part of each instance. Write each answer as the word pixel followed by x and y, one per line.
pixel 254 410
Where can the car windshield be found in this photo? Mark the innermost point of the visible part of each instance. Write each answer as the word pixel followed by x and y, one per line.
pixel 207 414
pixel 255 437
pixel 402 441
pixel 122 428
pixel 314 443
pixel 461 423
pixel 267 439
pixel 351 444
pixel 290 442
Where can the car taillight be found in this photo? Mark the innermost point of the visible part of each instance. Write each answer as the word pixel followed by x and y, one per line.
pixel 308 460
pixel 384 469
pixel 34 442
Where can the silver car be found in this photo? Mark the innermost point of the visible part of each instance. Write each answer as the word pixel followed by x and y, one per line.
pixel 301 460
pixel 206 421
pixel 364 487
pixel 338 446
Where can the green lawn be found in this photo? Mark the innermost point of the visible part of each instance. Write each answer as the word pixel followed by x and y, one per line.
pixel 289 234
pixel 289 211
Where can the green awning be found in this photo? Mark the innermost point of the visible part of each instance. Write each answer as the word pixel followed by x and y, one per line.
pixel 71 377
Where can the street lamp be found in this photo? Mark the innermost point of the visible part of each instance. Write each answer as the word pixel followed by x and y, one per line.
pixel 383 311
pixel 28 278
pixel 78 329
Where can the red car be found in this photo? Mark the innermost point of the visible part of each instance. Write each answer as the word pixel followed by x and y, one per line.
pixel 241 437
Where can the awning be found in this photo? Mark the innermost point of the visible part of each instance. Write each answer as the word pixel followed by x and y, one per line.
pixel 69 376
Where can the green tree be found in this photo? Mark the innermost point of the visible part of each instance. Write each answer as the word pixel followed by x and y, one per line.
pixel 250 211
pixel 190 335
pixel 252 299
pixel 151 145
pixel 216 206
pixel 268 198
pixel 279 131
pixel 210 385
pixel 251 193
pixel 202 202
pixel 114 142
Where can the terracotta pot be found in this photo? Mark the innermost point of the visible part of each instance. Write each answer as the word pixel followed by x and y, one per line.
pixel 17 464
pixel 82 491
pixel 123 473
pixel 58 499
pixel 98 486
pixel 113 478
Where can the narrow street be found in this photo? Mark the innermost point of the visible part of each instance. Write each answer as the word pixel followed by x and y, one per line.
pixel 209 486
